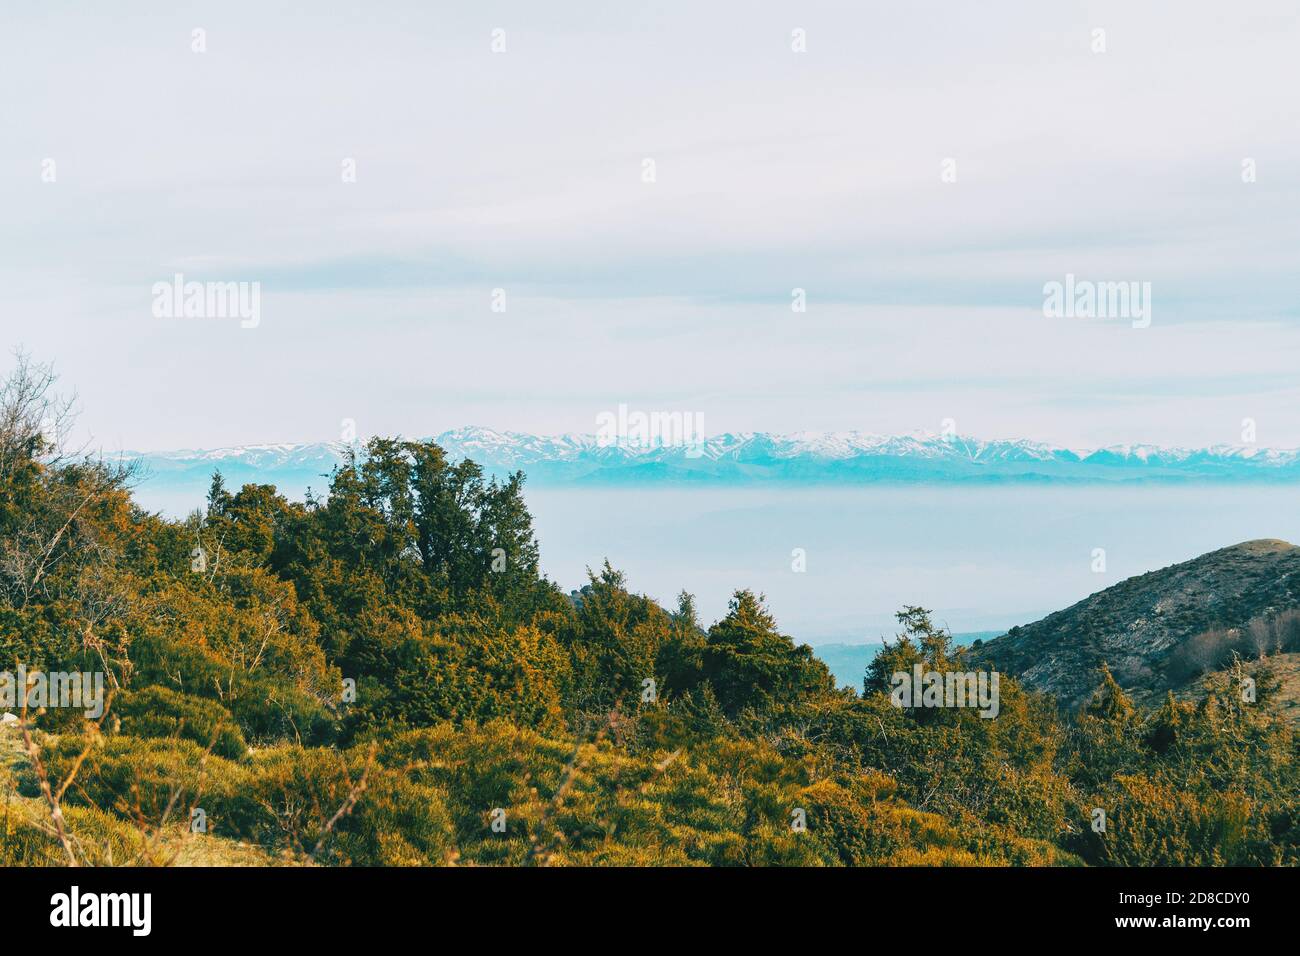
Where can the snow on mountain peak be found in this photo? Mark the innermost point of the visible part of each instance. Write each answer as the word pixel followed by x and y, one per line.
pixel 805 455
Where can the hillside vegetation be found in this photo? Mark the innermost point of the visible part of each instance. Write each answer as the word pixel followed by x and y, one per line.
pixel 1165 629
pixel 381 676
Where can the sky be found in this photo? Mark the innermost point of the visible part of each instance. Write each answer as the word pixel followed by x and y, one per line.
pixel 524 169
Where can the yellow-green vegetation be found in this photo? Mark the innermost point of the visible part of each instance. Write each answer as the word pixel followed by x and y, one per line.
pixel 100 838
pixel 382 677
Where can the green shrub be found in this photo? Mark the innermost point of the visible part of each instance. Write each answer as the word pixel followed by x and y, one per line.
pixel 159 712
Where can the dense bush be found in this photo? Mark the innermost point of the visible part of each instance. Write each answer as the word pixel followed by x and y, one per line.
pixel 159 712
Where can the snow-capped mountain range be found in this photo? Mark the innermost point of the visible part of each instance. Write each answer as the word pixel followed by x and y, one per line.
pixel 802 457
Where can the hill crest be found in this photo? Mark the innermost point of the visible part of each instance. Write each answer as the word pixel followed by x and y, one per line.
pixel 1137 626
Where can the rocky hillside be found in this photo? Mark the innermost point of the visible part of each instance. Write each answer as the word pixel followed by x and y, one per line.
pixel 1138 626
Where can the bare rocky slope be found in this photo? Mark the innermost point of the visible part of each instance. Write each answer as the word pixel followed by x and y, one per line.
pixel 1136 626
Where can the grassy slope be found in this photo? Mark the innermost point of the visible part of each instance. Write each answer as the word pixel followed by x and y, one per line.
pixel 103 839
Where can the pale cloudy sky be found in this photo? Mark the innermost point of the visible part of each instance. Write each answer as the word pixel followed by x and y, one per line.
pixel 775 170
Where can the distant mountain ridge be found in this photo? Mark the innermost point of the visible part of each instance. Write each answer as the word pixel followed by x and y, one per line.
pixel 803 457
